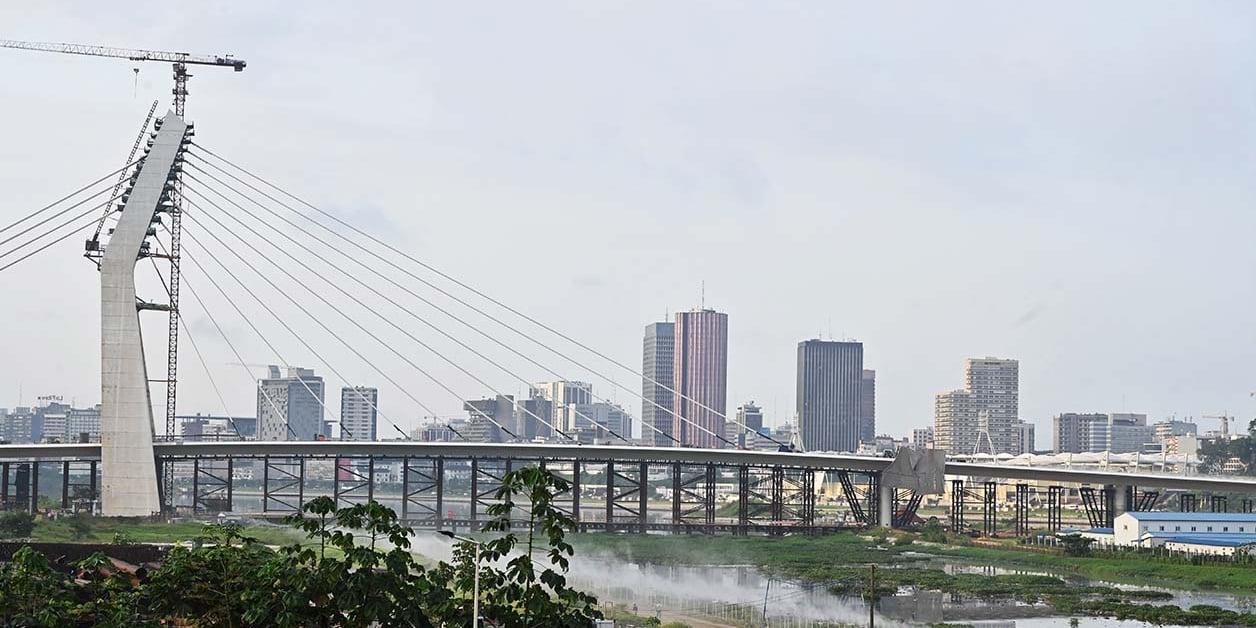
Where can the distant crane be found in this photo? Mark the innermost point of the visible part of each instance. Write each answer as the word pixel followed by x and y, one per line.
pixel 180 60
pixel 1225 423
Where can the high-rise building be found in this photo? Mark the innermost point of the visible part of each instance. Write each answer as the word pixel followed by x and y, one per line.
pixel 216 426
pixel 1025 431
pixel 868 407
pixel 480 429
pixel 83 425
pixel 829 395
pixel 995 385
pixel 597 418
pixel 955 422
pixel 922 438
pixel 657 357
pixel 750 416
pixel 290 407
pixel 563 396
pixel 700 376
pixel 1121 433
pixel 1174 427
pixel 358 418
pixel 527 426
pixel 1070 431
pixel 984 414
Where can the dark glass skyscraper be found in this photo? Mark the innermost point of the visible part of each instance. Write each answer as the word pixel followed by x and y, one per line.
pixel 830 385
pixel 657 355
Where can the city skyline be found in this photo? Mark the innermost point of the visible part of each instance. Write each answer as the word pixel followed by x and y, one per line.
pixel 628 204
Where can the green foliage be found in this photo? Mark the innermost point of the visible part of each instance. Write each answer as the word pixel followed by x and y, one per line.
pixel 933 532
pixel 520 595
pixel 1076 544
pixel 16 525
pixel 354 571
pixel 122 537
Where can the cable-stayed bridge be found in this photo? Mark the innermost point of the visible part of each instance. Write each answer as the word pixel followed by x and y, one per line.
pixel 256 247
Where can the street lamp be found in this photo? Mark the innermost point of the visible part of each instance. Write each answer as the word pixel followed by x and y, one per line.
pixel 475 595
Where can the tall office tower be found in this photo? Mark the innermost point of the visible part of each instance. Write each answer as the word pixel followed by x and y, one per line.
pixel 527 426
pixel 480 429
pixel 955 422
pixel 52 422
pixel 983 415
pixel 700 376
pixel 357 413
pixel 657 356
pixel 1070 431
pixel 562 395
pixel 830 385
pixel 290 407
pixel 868 407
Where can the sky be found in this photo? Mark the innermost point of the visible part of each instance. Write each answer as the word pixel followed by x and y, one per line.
pixel 1068 184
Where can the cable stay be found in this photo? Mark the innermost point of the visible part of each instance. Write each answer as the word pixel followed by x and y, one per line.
pixel 399 306
pixel 47 246
pixel 317 320
pixel 381 295
pixel 467 287
pixel 445 311
pixel 68 197
pixel 249 321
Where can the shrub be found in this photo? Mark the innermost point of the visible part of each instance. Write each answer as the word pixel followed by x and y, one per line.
pixel 16 525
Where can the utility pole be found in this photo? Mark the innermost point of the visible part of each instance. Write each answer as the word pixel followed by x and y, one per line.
pixel 872 595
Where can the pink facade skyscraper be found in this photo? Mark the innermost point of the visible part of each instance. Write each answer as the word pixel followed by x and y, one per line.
pixel 701 378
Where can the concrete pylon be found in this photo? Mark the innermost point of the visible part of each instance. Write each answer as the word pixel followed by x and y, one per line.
pixel 128 463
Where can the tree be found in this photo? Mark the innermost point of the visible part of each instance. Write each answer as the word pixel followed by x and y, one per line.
pixel 354 571
pixel 1076 544
pixel 519 596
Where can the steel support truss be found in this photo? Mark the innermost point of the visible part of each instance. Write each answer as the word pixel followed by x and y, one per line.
pixel 1020 520
pixel 423 490
pixel 906 502
pixel 1140 501
pixel 283 484
pixel 353 481
pixel 693 497
pixel 1188 502
pixel 1100 505
pixel 78 485
pixel 861 498
pixel 1055 502
pixel 627 489
pixel 19 486
pixel 486 479
pixel 961 496
pixel 771 497
pixel 211 485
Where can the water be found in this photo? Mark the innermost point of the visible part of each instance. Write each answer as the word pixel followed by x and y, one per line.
pixel 736 595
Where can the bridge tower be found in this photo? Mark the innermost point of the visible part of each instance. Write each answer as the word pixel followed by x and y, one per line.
pixel 129 486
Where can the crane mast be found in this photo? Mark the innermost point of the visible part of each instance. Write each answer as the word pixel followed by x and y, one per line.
pixel 180 62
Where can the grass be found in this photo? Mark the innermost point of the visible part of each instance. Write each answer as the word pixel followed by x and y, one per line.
pixel 842 561
pixel 1132 569
pixel 104 530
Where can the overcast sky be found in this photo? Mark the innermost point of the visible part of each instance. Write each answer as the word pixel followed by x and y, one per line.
pixel 1070 185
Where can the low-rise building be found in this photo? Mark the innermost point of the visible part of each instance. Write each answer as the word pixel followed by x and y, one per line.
pixel 1185 531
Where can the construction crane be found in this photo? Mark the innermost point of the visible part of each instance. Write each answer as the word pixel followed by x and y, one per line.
pixel 180 60
pixel 1225 423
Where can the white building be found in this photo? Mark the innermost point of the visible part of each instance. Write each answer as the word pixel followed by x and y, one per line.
pixel 1207 532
